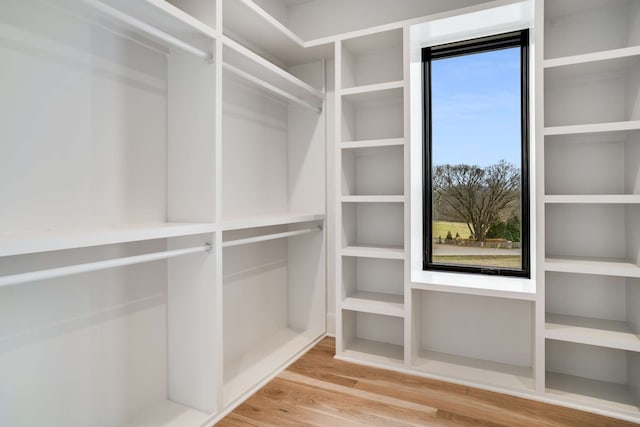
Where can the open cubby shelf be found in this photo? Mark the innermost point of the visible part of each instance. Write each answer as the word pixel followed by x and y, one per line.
pixel 374 336
pixel 373 171
pixel 593 376
pixel 373 285
pixel 478 371
pixel 587 26
pixel 372 59
pixel 593 168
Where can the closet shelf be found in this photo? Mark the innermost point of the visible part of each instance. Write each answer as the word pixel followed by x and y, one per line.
pixel 34 241
pixel 372 89
pixel 593 198
pixel 376 303
pixel 274 236
pixel 238 57
pixel 373 199
pixel 593 128
pixel 156 18
pixel 245 21
pixel 374 93
pixel 600 266
pixel 385 252
pixel 266 221
pixel 591 331
pixel 363 350
pixel 372 143
pixel 596 62
pixel 592 393
pixel 472 370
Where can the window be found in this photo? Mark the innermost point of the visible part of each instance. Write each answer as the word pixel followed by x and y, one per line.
pixel 476 156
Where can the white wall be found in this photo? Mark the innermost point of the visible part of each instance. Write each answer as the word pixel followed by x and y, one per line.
pixel 322 18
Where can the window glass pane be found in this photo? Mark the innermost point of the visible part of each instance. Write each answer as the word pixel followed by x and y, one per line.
pixel 476 159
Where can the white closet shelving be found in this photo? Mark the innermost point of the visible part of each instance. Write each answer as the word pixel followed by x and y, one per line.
pixel 273 199
pixel 155 137
pixel 370 142
pixel 591 195
pixel 96 95
pixel 571 333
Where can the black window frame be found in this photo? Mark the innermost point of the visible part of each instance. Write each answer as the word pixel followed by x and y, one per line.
pixel 477 45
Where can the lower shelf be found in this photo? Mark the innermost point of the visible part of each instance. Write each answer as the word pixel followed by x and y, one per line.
pixel 374 351
pixel 479 371
pixel 600 332
pixel 265 358
pixel 375 302
pixel 592 393
pixel 169 414
pixel 386 252
pixel 601 266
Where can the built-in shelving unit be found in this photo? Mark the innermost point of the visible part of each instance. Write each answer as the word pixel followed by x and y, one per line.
pixel 108 227
pixel 273 200
pixel 139 230
pixel 571 332
pixel 370 149
pixel 591 195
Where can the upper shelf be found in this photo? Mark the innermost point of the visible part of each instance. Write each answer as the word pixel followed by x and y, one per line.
pixel 34 241
pixel 592 198
pixel 158 19
pixel 372 90
pixel 595 62
pixel 243 61
pixel 600 266
pixel 252 26
pixel 623 126
pixel 267 221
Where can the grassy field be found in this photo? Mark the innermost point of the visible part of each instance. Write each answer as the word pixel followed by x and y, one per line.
pixel 440 228
pixel 505 261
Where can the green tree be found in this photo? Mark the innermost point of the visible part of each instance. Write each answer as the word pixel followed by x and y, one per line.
pixel 478 195
pixel 509 229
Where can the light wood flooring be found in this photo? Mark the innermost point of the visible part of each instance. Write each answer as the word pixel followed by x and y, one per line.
pixel 318 390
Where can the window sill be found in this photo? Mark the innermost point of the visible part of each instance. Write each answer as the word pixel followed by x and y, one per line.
pixel 474 284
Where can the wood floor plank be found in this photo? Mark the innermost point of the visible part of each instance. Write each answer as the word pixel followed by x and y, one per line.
pixel 318 390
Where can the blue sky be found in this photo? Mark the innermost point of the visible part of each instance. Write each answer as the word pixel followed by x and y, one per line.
pixel 476 108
